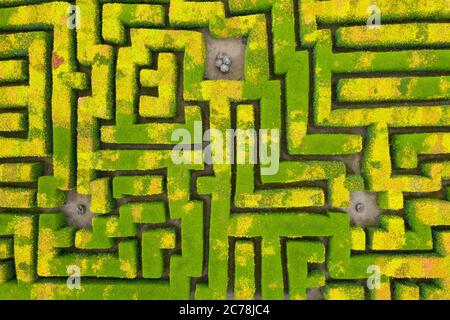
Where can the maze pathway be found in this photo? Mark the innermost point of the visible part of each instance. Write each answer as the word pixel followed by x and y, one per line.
pixel 93 91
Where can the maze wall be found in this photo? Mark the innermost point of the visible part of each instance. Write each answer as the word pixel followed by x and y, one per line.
pixel 91 111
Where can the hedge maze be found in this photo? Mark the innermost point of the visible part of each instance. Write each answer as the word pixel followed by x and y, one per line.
pixel 92 109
